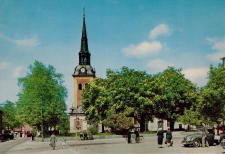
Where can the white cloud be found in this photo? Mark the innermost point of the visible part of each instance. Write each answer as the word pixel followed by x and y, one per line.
pixel 17 71
pixel 197 75
pixel 159 64
pixel 143 49
pixel 26 42
pixel 3 65
pixel 219 47
pixel 159 30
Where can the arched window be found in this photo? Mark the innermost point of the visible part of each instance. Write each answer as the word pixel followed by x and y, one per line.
pixel 79 86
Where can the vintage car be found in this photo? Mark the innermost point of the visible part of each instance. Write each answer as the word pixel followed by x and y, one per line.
pixel 195 139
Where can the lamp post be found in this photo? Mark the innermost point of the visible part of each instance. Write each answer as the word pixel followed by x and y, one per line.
pixel 76 126
pixel 223 59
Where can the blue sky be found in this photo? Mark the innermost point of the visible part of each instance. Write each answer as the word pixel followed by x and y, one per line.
pixel 146 35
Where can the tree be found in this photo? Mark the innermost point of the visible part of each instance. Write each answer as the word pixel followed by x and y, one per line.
pixel 9 117
pixel 190 117
pixel 42 97
pixel 122 92
pixel 212 98
pixel 94 102
pixel 131 94
pixel 174 94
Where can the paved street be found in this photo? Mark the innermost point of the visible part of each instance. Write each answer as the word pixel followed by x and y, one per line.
pixel 5 146
pixel 111 146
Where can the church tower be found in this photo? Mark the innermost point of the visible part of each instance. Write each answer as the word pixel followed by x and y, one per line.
pixel 83 72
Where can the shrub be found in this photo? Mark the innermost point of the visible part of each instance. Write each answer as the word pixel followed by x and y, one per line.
pixel 119 123
pixel 93 130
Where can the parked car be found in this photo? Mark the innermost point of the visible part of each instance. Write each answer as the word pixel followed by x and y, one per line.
pixel 7 135
pixel 196 138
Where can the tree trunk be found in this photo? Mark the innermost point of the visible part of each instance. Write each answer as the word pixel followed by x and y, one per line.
pixel 103 128
pixel 142 124
pixel 172 125
pixel 188 128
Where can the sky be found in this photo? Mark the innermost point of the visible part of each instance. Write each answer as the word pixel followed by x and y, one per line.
pixel 145 35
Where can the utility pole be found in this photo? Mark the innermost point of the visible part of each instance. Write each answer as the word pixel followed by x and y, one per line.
pixel 223 59
pixel 42 136
pixel 42 133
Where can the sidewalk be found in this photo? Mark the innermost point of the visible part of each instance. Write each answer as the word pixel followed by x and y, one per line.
pixel 32 147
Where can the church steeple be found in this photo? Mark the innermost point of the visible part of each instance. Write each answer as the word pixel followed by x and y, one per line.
pixel 84 55
pixel 84 68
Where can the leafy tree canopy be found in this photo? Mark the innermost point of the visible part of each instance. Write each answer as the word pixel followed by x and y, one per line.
pixel 9 117
pixel 175 94
pixel 42 97
pixel 212 98
pixel 139 95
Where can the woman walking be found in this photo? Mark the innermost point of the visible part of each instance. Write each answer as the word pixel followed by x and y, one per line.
pixel 53 141
pixel 160 137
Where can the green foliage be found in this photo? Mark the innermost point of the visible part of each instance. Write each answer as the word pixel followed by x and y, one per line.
pixel 42 97
pixel 174 94
pixel 94 101
pixel 10 119
pixel 190 117
pixel 118 123
pixel 93 130
pixel 139 95
pixel 212 96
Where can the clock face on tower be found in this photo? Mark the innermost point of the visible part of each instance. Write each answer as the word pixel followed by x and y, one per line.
pixel 82 70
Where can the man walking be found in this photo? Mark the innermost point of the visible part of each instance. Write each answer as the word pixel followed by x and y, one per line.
pixel 204 136
pixel 137 136
pixel 169 137
pixel 160 135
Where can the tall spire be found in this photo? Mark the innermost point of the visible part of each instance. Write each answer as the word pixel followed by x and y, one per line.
pixel 84 68
pixel 84 40
pixel 84 55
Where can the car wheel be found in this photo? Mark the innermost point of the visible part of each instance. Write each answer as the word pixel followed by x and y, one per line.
pixel 186 145
pixel 196 143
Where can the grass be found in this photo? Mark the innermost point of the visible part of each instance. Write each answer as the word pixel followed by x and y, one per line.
pixel 148 132
pixel 98 134
pixel 104 134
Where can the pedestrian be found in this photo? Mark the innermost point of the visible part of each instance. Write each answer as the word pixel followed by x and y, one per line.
pixel 32 136
pixel 160 135
pixel 128 137
pixel 204 136
pixel 137 139
pixel 169 137
pixel 63 143
pixel 85 136
pixel 91 136
pixel 53 141
pixel 81 136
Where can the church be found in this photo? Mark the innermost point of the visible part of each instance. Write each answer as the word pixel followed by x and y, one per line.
pixel 82 75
